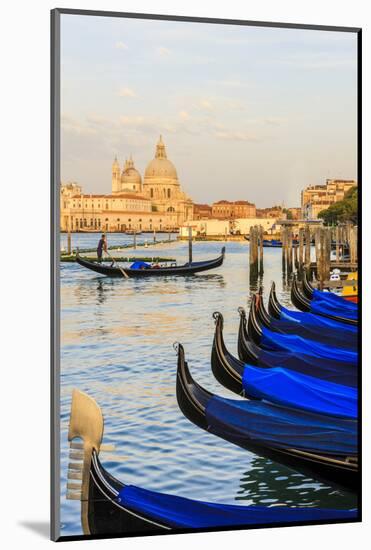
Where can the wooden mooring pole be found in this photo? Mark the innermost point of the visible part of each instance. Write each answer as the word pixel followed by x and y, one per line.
pixel 289 251
pixel 69 247
pixel 256 245
pixel 284 251
pixel 190 244
pixel 261 249
pixel 353 244
pixel 307 247
pixel 337 243
pixel 301 251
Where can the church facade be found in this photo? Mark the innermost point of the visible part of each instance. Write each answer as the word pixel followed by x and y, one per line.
pixel 155 202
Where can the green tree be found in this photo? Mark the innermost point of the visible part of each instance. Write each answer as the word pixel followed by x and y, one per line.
pixel 342 211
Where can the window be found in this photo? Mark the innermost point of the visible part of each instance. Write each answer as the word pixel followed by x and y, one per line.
pixel 168 193
pixel 151 193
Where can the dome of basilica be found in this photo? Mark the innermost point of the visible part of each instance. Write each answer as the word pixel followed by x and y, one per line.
pixel 130 174
pixel 161 166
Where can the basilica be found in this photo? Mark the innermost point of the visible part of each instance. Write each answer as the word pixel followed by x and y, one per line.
pixel 155 202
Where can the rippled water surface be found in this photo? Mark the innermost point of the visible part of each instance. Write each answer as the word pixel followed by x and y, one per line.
pixel 116 345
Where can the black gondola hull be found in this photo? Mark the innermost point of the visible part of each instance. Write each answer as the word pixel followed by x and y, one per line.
pixel 183 270
pixel 193 401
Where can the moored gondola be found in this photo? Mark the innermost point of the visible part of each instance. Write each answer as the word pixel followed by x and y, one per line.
pixel 111 508
pixel 306 286
pixel 280 385
pixel 227 369
pixel 318 445
pixel 345 302
pixel 324 368
pixel 322 307
pixel 337 337
pixel 151 271
pixel 271 340
pixel 278 311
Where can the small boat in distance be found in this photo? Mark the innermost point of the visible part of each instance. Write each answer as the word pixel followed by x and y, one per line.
pixel 189 268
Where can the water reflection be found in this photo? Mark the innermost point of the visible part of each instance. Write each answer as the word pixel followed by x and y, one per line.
pixel 267 483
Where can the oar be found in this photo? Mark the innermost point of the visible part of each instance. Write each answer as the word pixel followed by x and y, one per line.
pixel 120 268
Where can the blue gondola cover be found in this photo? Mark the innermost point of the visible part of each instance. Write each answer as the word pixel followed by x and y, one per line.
pixel 325 369
pixel 179 512
pixel 140 265
pixel 300 391
pixel 323 307
pixel 311 319
pixel 335 337
pixel 334 299
pixel 290 342
pixel 271 425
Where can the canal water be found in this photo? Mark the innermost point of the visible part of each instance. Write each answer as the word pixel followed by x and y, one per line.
pixel 117 340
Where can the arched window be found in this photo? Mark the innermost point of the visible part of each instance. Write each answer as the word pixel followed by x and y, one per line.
pixel 171 209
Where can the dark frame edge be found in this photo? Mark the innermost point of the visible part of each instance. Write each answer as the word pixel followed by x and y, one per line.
pixel 212 20
pixel 70 538
pixel 54 275
pixel 359 253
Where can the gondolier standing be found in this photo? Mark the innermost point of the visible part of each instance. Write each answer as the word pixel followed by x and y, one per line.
pixel 102 246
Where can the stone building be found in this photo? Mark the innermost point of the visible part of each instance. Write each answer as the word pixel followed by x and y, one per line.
pixel 231 210
pixel 271 212
pixel 156 203
pixel 202 212
pixel 319 197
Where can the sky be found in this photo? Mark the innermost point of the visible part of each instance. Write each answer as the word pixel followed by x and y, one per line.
pixel 249 113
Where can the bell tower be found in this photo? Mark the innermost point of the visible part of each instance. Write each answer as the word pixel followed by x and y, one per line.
pixel 115 176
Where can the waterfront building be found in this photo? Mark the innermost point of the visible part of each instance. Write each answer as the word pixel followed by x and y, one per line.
pixel 202 212
pixel 232 210
pixel 319 197
pixel 271 212
pixel 217 228
pixel 295 213
pixel 156 203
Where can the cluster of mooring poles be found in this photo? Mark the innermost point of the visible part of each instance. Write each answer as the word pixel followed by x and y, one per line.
pixel 256 252
pixel 308 249
pixel 295 250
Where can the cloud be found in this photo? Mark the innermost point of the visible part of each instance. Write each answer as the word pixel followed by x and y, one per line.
pixel 232 83
pixel 183 115
pixel 73 126
pixel 274 121
pixel 163 52
pixel 235 136
pixel 121 45
pixel 322 60
pixel 206 104
pixel 127 92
